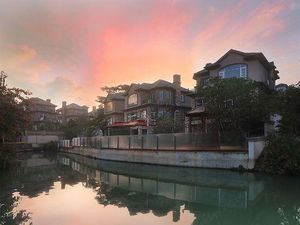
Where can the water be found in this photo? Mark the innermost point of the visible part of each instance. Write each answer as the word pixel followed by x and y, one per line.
pixel 70 189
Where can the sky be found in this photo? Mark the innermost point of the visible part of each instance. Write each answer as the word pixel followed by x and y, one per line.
pixel 68 49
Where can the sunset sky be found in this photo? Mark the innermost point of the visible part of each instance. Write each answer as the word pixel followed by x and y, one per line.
pixel 68 49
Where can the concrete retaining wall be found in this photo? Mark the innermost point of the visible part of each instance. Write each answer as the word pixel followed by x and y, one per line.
pixel 204 159
pixel 255 148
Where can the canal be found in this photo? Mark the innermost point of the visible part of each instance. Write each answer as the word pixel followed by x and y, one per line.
pixel 65 189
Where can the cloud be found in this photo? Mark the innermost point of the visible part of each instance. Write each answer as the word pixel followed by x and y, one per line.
pixel 69 49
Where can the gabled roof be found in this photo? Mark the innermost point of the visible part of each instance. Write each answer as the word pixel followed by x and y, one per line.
pixel 115 96
pixel 74 106
pixel 247 56
pixel 39 101
pixel 157 84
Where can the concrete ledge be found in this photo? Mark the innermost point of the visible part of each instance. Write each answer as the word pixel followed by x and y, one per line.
pixel 203 159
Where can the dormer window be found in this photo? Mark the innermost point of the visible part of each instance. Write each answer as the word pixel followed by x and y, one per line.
pixel 234 71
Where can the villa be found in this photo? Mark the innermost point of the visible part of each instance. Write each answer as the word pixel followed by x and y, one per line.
pixel 136 111
pixel 234 64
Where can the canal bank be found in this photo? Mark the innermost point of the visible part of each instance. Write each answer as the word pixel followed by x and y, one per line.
pixel 183 150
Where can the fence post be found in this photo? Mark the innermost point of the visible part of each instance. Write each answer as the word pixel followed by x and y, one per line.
pixel 129 142
pixel 118 142
pixel 142 144
pixel 174 142
pixel 157 142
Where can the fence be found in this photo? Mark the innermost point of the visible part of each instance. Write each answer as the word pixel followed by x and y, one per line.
pixel 176 141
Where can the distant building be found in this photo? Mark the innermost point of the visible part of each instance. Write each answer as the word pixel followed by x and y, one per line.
pixel 96 112
pixel 139 108
pixel 72 112
pixel 234 64
pixel 42 114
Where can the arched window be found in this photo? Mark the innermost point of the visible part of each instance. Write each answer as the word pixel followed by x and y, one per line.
pixel 234 71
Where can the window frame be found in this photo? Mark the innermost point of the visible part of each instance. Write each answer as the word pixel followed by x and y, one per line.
pixel 242 67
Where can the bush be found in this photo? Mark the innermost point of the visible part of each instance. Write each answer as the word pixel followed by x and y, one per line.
pixel 282 155
pixel 51 146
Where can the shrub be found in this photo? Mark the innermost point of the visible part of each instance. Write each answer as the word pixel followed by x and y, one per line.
pixel 282 155
pixel 51 146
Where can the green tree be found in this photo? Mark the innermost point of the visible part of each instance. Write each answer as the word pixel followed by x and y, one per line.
pixel 13 114
pixel 289 109
pixel 112 90
pixel 237 105
pixel 95 125
pixel 164 125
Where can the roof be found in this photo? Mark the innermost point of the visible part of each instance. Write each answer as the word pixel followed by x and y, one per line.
pixel 134 123
pixel 247 56
pixel 39 101
pixel 197 110
pixel 157 84
pixel 74 106
pixel 115 96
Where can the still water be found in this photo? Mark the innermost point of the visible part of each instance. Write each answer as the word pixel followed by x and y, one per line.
pixel 69 189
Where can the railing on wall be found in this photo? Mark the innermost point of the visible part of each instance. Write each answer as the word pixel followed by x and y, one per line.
pixel 172 141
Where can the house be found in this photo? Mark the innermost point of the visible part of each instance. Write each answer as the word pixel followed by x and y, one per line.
pixel 234 64
pixel 72 112
pixel 145 103
pixel 42 114
pixel 114 108
pixel 96 112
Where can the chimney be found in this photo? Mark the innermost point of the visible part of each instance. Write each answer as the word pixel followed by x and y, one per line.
pixel 48 100
pixel 64 104
pixel 94 108
pixel 176 80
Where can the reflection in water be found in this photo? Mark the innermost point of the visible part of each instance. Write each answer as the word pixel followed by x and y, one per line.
pixel 70 189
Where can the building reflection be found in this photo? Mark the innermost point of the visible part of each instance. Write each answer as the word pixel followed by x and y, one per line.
pixel 145 188
pixel 210 195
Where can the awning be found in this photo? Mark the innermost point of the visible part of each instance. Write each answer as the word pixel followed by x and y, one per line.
pixel 198 110
pixel 129 124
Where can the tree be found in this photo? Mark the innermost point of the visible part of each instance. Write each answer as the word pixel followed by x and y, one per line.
pixel 289 110
pixel 237 105
pixel 112 90
pixel 164 125
pixel 13 114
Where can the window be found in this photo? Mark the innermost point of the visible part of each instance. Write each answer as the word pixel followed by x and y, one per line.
pixel 144 114
pixel 199 102
pixel 228 103
pixel 131 117
pixel 204 82
pixel 234 71
pixel 132 99
pixel 109 121
pixel 109 107
pixel 182 98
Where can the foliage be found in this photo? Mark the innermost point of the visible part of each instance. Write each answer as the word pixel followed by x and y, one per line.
pixel 282 154
pixel 51 146
pixel 83 127
pixel 74 128
pixel 164 125
pixel 112 90
pixel 237 104
pixel 289 109
pixel 13 115
pixel 95 125
pixel 115 89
